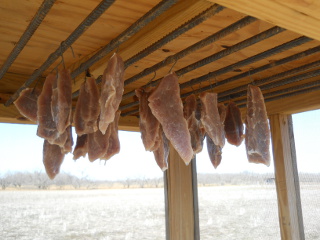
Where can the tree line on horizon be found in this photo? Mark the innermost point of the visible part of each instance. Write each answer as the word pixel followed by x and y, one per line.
pixel 39 180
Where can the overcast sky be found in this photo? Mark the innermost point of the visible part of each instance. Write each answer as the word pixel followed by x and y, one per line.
pixel 21 150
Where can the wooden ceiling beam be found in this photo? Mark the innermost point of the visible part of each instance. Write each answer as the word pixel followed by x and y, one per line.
pixel 293 104
pixel 173 18
pixel 298 16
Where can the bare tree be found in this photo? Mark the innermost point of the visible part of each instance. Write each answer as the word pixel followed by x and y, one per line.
pixel 40 180
pixel 17 179
pixel 62 180
pixel 127 182
pixel 157 181
pixel 4 182
pixel 76 182
pixel 142 181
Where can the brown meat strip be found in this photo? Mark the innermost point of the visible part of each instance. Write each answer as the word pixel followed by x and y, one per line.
pixel 211 119
pixel 149 125
pixel 97 144
pixel 114 143
pixel 112 87
pixel 52 158
pixel 67 147
pixel 87 108
pixel 233 125
pixel 46 126
pixel 81 148
pixel 27 103
pixel 214 151
pixel 161 154
pixel 257 137
pixel 166 105
pixel 61 105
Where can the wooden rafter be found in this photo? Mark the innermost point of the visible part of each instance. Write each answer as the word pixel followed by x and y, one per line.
pixel 167 22
pixel 296 15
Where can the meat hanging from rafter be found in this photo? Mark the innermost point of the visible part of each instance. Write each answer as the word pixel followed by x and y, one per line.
pixel 257 135
pixel 222 109
pixel 149 125
pixel 211 119
pixel 161 154
pixel 233 125
pixel 112 87
pixel 67 147
pixel 52 158
pixel 87 108
pixel 166 105
pixel 114 143
pixel 97 144
pixel 61 104
pixel 215 151
pixel 81 148
pixel 46 126
pixel 194 125
pixel 27 103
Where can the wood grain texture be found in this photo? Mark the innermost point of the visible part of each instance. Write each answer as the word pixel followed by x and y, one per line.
pixel 160 27
pixel 291 105
pixel 287 181
pixel 15 16
pixel 180 198
pixel 296 15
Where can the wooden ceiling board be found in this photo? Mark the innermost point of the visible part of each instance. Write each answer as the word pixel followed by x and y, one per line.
pixel 65 16
pixel 296 15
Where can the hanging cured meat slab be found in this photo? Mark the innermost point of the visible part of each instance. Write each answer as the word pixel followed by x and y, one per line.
pixel 148 123
pixel 166 105
pixel 27 103
pixel 194 125
pixel 112 87
pixel 52 158
pixel 233 125
pixel 257 139
pixel 211 119
pixel 87 108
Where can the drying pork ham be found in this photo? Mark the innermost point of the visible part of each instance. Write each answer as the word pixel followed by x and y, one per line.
pixel 190 106
pixel 257 138
pixel 81 148
pixel 214 152
pixel 46 126
pixel 233 125
pixel 161 154
pixel 27 103
pixel 52 158
pixel 112 86
pixel 149 125
pixel 61 104
pixel 114 143
pixel 97 145
pixel 87 108
pixel 194 125
pixel 210 118
pixel 67 146
pixel 222 112
pixel 166 105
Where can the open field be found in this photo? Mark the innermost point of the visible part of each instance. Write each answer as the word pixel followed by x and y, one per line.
pixel 226 213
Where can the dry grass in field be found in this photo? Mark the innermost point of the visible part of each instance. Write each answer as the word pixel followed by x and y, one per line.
pixel 226 213
pixel 91 214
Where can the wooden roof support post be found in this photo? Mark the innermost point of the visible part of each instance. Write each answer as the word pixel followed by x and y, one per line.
pixel 182 220
pixel 287 181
